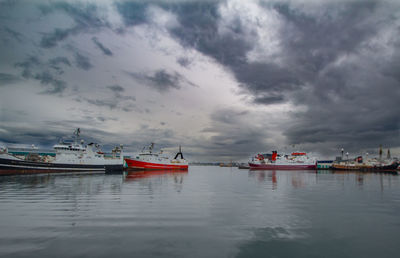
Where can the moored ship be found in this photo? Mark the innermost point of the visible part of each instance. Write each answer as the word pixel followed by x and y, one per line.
pixel 147 159
pixel 379 164
pixel 69 157
pixel 275 161
pixel 369 165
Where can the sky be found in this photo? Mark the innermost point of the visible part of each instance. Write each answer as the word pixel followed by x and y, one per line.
pixel 224 79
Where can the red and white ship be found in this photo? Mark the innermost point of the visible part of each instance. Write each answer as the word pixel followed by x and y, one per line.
pixel 147 159
pixel 275 161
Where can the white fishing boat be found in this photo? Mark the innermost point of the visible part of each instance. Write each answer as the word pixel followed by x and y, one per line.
pixel 69 156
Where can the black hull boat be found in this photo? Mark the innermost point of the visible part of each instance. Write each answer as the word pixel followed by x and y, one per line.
pixel 14 166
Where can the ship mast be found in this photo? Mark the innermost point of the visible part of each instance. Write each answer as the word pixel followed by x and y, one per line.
pixel 179 153
pixel 76 135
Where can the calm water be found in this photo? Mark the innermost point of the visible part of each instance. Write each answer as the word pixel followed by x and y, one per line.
pixel 206 212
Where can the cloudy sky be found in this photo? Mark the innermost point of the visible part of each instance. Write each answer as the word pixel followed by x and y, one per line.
pixel 224 79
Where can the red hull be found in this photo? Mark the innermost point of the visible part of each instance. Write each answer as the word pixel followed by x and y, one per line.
pixel 136 164
pixel 281 167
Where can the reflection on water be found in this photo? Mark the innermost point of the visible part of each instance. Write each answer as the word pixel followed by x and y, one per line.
pixel 301 178
pixel 296 178
pixel 156 177
pixel 135 175
pixel 204 212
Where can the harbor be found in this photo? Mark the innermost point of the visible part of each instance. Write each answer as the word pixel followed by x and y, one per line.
pixel 192 128
pixel 76 156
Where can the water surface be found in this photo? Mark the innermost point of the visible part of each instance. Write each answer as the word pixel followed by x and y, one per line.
pixel 205 212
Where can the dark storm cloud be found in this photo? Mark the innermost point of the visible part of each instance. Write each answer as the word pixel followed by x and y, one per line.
pixel 116 88
pixel 228 116
pixel 45 78
pixel 51 39
pixel 266 78
pixel 268 99
pixel 6 79
pixel 47 136
pixel 85 16
pixel 105 50
pixel 199 29
pixel 146 134
pixel 110 103
pixel 82 62
pixel 161 80
pixel 132 12
pixel 119 100
pixel 312 38
pixel 13 34
pixel 29 135
pixel 233 136
pixel 30 63
pixel 356 97
pixel 184 61
pixel 55 63
pixel 59 60
pixel 33 68
pixel 119 93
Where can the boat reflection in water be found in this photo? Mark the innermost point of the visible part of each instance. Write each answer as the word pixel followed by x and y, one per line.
pixel 149 180
pixel 140 174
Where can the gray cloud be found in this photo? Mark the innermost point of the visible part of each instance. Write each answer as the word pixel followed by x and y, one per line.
pixel 85 16
pixel 83 62
pixel 50 40
pixel 118 93
pixel 119 100
pixel 59 60
pixel 311 43
pixel 55 63
pixel 269 99
pixel 110 103
pixel 132 12
pixel 33 68
pixel 184 61
pixel 45 78
pixel 116 88
pixel 6 79
pixel 233 136
pixel 47 136
pixel 13 34
pixel 199 29
pixel 29 135
pixel 30 63
pixel 161 80
pixel 105 50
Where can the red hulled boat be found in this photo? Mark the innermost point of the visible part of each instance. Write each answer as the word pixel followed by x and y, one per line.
pixel 147 159
pixel 275 161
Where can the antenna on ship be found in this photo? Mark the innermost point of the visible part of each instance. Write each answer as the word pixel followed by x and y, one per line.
pixel 388 154
pixel 380 151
